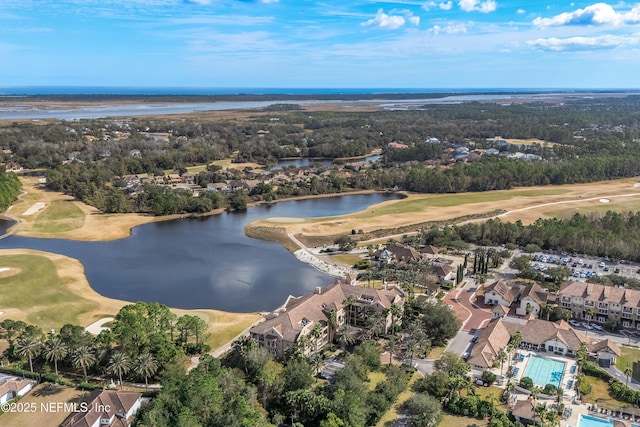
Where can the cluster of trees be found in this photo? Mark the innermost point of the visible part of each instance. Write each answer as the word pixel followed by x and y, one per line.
pixel 145 339
pixel 611 234
pixel 607 148
pixel 9 189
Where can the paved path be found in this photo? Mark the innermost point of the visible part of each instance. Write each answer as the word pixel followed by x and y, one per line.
pixel 307 255
pixel 96 327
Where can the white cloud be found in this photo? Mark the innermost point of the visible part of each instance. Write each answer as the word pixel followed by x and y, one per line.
pixel 521 11
pixel 448 29
pixel 445 5
pixel 584 43
pixel 477 5
pixel 595 14
pixel 382 20
pixel 415 20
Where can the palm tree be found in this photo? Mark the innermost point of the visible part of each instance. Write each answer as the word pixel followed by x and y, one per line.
pixel 83 357
pixel 502 357
pixel 348 308
pixel 553 418
pixel 333 323
pixel 392 347
pixel 396 314
pixel 345 336
pixel 316 333
pixel 55 350
pixel 28 347
pixel 146 366
pixel 628 371
pixel 541 412
pixel 119 364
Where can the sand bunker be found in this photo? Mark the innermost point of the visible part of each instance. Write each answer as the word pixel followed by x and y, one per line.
pixel 33 209
pixel 604 200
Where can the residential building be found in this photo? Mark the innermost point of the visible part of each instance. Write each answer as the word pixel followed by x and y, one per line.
pixel 397 252
pixel 500 293
pixel 600 303
pixel 527 299
pixel 604 352
pixel 317 316
pixel 531 298
pixel 105 408
pixel 445 273
pixel 12 387
pixel 537 335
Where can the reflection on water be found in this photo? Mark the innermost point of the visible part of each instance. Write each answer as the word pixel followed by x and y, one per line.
pixel 203 262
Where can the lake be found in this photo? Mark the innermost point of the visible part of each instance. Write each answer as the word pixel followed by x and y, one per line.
pixel 203 262
pixel 303 162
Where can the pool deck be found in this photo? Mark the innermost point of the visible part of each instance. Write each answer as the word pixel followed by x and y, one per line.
pixel 567 375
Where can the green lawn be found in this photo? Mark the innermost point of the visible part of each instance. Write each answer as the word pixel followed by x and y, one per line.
pixel 599 391
pixel 447 200
pixel 460 421
pixel 37 290
pixel 347 259
pixel 388 418
pixel 375 378
pixel 59 216
pixel 626 206
pixel 629 355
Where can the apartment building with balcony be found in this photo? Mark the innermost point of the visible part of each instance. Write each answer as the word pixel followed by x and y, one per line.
pixel 599 303
pixel 315 318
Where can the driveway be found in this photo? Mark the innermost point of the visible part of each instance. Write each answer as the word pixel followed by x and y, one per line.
pixel 463 303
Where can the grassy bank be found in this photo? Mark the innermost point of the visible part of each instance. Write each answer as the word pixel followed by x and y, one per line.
pixel 50 290
pixel 274 234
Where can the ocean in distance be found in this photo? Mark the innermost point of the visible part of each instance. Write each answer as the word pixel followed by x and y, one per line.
pixel 140 90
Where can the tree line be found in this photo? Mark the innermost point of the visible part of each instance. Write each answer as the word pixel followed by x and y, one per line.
pixel 145 340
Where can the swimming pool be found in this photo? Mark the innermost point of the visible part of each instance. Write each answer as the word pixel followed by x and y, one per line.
pixel 544 371
pixel 588 421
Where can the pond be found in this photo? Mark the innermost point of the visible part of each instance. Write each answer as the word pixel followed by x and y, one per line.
pixel 203 262
pixel 303 162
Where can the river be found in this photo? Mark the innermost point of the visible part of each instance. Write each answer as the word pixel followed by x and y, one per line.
pixel 203 262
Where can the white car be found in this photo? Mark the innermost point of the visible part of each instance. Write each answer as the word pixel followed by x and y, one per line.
pixel 597 327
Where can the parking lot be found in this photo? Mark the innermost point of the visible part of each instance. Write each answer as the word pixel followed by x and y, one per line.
pixel 584 267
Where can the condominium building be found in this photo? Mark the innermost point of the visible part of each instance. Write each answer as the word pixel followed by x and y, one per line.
pixel 317 316
pixel 599 303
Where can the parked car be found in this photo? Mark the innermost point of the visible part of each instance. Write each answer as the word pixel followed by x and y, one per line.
pixel 474 339
pixel 597 327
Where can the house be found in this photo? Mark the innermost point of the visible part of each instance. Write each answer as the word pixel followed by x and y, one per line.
pixel 500 293
pixel 397 252
pixel 537 335
pixel 429 250
pixel 397 145
pixel 491 340
pixel 527 299
pixel 599 303
pixel 13 167
pixel 12 387
pixel 219 187
pixel 605 352
pixel 444 272
pixel 105 408
pixel 499 311
pixel 531 298
pixel 524 412
pixel 342 302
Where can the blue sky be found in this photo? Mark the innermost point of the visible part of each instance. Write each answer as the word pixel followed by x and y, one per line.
pixel 315 43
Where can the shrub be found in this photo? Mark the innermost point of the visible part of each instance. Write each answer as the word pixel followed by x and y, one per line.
pixel 526 382
pixel 489 377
